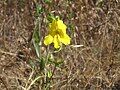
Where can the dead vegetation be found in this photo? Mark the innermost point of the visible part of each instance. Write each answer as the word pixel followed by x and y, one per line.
pixel 95 24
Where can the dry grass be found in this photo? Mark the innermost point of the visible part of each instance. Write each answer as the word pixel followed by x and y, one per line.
pixel 95 24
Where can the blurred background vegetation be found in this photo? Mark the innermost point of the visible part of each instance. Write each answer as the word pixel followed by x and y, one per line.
pixel 95 24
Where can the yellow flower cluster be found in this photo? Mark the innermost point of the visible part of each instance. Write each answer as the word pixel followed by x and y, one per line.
pixel 57 34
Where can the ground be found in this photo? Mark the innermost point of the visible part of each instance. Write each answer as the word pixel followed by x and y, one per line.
pixel 90 62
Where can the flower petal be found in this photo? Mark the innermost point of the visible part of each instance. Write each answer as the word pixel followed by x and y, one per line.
pixel 61 26
pixel 65 39
pixel 52 26
pixel 56 42
pixel 48 40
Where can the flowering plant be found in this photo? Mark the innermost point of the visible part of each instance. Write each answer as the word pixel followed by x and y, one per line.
pixel 57 34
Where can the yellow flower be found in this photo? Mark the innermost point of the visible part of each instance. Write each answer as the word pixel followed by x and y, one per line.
pixel 57 34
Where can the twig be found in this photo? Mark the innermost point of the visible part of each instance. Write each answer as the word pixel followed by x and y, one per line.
pixel 33 82
pixel 8 53
pixel 4 83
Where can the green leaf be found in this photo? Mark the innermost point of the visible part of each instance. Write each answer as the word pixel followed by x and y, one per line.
pixel 50 17
pixel 49 74
pixel 36 40
pixel 58 63
pixel 47 1
pixel 39 10
pixel 42 63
